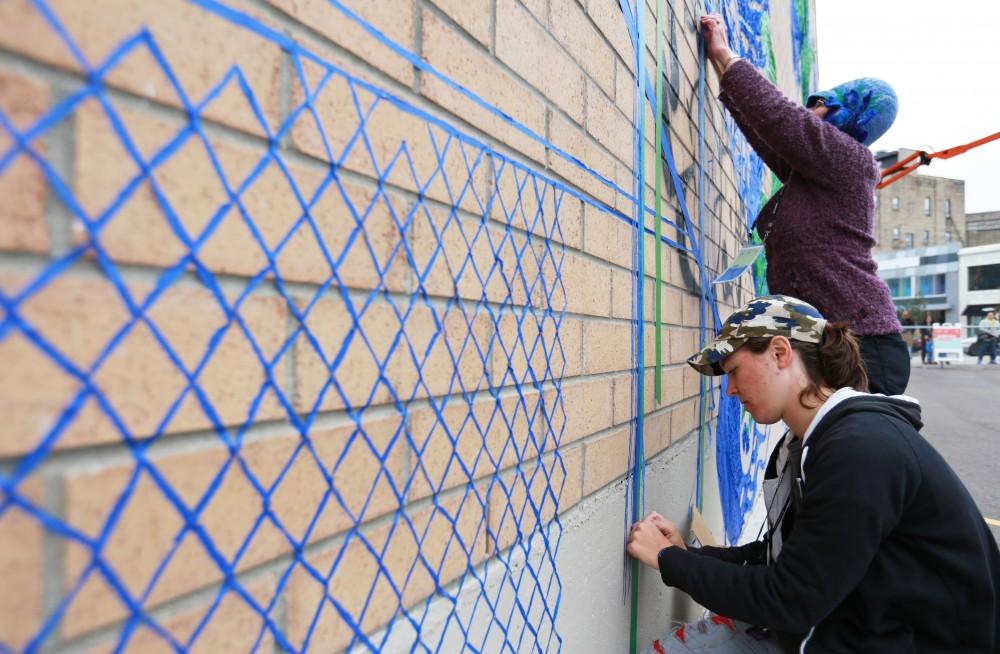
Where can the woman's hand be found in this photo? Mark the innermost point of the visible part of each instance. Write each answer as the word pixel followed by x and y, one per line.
pixel 645 541
pixel 716 42
pixel 667 528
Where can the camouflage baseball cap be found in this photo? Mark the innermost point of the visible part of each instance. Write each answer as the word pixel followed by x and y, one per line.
pixel 771 315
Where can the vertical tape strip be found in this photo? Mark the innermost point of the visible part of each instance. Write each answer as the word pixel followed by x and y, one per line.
pixel 702 319
pixel 638 462
pixel 658 118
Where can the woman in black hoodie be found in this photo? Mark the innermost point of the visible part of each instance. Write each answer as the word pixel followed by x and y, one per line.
pixel 874 544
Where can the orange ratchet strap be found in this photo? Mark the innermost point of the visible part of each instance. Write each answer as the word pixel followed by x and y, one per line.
pixel 905 167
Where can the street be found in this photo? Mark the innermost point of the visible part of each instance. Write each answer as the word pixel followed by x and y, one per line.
pixel 961 419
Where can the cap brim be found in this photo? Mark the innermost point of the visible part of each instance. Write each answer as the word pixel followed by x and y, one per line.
pixel 708 361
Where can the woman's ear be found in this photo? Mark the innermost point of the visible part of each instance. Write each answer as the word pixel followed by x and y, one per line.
pixel 781 347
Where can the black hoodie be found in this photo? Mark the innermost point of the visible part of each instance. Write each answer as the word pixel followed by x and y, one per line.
pixel 887 551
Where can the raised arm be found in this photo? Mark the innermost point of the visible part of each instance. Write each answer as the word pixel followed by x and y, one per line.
pixel 788 132
pixel 763 150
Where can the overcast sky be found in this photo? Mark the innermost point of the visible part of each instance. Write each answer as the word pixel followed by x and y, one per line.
pixel 943 59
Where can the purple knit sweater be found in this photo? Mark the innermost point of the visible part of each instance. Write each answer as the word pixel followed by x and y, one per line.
pixel 818 242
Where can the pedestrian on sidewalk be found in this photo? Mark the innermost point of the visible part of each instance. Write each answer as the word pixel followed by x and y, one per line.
pixel 926 340
pixel 989 330
pixel 818 229
pixel 859 556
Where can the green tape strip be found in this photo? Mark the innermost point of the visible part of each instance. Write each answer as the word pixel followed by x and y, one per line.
pixel 658 327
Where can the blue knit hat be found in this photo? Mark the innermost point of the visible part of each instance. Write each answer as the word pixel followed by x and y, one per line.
pixel 864 108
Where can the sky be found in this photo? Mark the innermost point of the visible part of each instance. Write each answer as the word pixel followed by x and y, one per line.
pixel 943 60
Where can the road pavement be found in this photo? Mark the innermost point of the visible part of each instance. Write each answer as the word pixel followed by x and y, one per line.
pixel 961 412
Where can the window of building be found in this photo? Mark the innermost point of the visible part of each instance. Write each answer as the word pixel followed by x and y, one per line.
pixel 927 206
pixel 927 236
pixel 895 233
pixel 984 278
pixel 899 287
pixel 932 284
pixel 895 203
pixel 947 208
pixel 947 236
pixel 909 239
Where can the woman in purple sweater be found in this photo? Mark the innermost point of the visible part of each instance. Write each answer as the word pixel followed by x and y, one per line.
pixel 818 229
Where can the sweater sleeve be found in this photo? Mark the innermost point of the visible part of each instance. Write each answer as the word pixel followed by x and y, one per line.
pixel 763 150
pixel 852 502
pixel 810 146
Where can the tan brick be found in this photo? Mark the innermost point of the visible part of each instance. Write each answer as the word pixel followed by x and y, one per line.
pixel 575 143
pixel 587 406
pixel 624 89
pixel 607 236
pixel 574 30
pixel 569 494
pixel 450 352
pixel 671 392
pixel 524 500
pixel 449 537
pixel 567 347
pixel 538 8
pixel 454 57
pixel 459 444
pixel 394 145
pixel 569 217
pixel 470 258
pixel 330 333
pixel 234 625
pixel 656 433
pixel 606 346
pixel 684 419
pixel 607 15
pixel 475 16
pixel 622 295
pixel 81 316
pixel 22 184
pixel 691 310
pixel 605 460
pixel 394 18
pixel 21 568
pixel 683 343
pixel 301 502
pixel 608 125
pixel 692 381
pixel 530 202
pixel 530 353
pixel 531 52
pixel 199 47
pixel 140 232
pixel 588 286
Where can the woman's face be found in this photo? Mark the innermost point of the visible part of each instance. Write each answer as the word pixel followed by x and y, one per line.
pixel 754 379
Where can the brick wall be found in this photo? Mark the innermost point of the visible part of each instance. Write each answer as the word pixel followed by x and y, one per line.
pixel 230 427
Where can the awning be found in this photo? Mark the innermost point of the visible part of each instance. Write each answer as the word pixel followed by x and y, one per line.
pixel 978 309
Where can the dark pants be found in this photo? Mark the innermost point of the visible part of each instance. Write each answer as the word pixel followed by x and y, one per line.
pixel 887 362
pixel 987 346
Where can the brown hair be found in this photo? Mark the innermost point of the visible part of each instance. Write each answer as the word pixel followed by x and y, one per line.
pixel 835 362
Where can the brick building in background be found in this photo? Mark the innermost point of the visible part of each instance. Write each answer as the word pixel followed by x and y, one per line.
pixel 982 228
pixel 918 210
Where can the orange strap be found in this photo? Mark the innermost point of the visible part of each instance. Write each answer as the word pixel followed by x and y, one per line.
pixel 906 166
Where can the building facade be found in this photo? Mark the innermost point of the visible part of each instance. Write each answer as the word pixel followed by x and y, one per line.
pixel 982 228
pixel 979 281
pixel 923 280
pixel 918 211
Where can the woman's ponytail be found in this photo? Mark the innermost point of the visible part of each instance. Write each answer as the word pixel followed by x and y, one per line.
pixel 840 358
